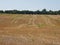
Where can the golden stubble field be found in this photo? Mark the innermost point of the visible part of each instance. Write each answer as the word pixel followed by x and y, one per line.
pixel 19 29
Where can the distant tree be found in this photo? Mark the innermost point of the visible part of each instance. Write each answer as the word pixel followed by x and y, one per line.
pixel 58 11
pixel 1 11
pixel 14 11
pixel 44 11
pixel 37 12
pixel 55 12
pixel 50 12
pixel 8 11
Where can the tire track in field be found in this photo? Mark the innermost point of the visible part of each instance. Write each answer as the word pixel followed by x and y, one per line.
pixel 47 20
pixel 32 19
pixel 29 40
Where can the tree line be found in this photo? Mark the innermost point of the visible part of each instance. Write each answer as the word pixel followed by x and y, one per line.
pixel 44 11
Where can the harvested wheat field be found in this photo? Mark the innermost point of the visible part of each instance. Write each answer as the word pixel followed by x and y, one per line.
pixel 19 29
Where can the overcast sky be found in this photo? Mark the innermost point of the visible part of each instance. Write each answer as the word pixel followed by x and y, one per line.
pixel 30 4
